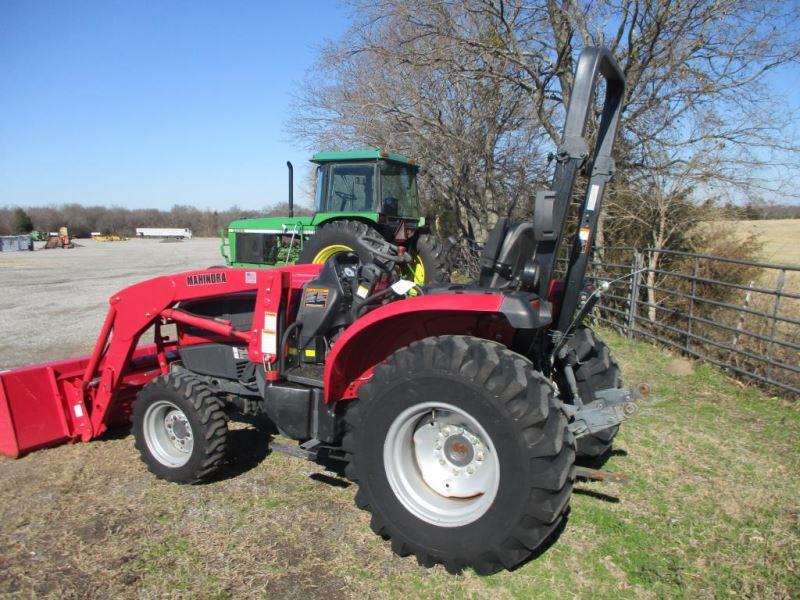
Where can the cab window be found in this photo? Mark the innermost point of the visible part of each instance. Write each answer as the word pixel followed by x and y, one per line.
pixel 399 191
pixel 319 201
pixel 352 189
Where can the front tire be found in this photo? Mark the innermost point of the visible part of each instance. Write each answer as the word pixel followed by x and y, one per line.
pixel 462 454
pixel 595 369
pixel 179 428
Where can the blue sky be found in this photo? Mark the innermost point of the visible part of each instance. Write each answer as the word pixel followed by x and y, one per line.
pixel 150 104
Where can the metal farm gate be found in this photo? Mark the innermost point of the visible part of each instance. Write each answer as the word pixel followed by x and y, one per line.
pixel 743 316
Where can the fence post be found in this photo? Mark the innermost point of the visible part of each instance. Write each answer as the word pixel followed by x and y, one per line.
pixel 775 309
pixel 688 343
pixel 636 270
pixel 740 321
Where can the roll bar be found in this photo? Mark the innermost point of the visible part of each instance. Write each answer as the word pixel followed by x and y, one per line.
pixel 552 206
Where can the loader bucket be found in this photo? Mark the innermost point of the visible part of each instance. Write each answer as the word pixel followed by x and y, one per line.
pixel 32 408
pixel 42 405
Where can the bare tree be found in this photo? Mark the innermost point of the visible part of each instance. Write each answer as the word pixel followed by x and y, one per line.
pixel 385 86
pixel 475 87
pixel 82 220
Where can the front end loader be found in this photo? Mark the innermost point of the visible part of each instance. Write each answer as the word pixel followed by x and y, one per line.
pixel 458 409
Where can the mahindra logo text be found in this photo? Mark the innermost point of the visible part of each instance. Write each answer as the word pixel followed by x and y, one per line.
pixel 206 279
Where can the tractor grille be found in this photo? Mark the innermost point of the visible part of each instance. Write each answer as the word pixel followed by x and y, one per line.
pixel 241 365
pixel 256 248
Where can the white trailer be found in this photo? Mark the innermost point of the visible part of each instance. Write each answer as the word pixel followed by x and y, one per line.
pixel 164 232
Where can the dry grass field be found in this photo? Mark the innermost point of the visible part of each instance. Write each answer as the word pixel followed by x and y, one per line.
pixel 781 239
pixel 712 509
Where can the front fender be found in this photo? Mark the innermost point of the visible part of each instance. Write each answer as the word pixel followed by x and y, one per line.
pixel 379 333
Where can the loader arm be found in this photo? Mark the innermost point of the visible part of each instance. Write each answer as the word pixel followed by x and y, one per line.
pixel 571 157
pixel 77 399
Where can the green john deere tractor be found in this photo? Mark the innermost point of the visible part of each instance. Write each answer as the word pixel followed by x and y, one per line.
pixel 364 200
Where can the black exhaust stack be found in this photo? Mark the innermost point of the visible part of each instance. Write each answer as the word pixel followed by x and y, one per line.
pixel 291 188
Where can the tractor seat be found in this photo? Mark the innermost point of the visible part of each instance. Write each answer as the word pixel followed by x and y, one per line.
pixel 506 255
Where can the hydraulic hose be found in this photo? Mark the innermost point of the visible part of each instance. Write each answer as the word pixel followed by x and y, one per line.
pixel 372 300
pixel 380 296
pixel 284 341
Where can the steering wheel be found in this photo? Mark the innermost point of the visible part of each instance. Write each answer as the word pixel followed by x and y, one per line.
pixel 344 197
pixel 394 203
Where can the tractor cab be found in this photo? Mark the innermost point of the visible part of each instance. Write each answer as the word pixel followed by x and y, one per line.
pixel 378 185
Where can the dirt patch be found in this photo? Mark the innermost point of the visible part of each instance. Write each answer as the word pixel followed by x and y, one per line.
pixel 680 367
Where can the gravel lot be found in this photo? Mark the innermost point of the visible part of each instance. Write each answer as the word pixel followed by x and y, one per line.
pixel 54 301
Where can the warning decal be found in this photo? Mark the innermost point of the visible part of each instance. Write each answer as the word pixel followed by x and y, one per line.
pixel 583 235
pixel 316 297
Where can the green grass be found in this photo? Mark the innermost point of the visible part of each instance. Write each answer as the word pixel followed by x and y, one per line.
pixel 711 511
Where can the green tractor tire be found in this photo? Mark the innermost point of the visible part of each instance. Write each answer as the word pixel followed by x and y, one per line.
pixel 352 236
pixel 335 237
pixel 430 262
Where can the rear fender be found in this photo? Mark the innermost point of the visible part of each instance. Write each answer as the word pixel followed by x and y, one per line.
pixel 373 337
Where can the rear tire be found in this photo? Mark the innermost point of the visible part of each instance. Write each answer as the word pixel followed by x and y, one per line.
pixel 481 401
pixel 339 236
pixel 179 428
pixel 596 369
pixel 430 261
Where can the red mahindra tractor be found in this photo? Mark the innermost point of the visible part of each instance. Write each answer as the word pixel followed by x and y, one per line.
pixel 458 409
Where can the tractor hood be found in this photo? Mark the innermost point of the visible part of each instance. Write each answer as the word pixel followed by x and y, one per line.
pixel 273 225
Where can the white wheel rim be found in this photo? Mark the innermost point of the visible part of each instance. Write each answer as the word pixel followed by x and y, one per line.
pixel 168 434
pixel 441 464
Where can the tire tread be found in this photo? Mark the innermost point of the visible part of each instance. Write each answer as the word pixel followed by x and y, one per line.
pixel 209 411
pixel 549 492
pixel 434 257
pixel 596 369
